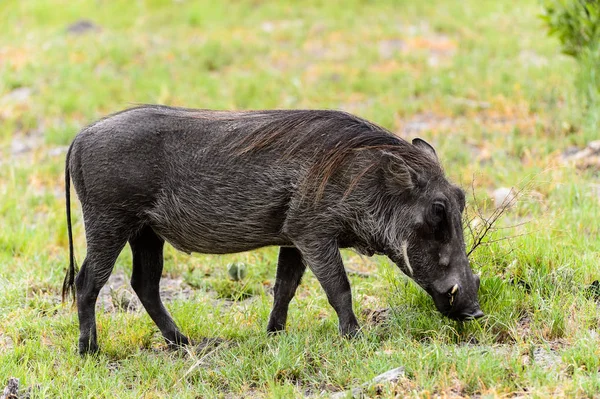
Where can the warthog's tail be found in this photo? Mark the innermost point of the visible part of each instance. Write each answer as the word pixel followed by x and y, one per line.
pixel 69 283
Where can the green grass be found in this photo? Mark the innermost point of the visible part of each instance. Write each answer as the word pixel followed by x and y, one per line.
pixel 478 79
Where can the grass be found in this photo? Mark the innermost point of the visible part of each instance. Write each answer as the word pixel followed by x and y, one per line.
pixel 478 79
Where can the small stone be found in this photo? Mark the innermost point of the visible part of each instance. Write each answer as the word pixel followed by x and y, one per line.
pixel 56 151
pixel 12 389
pixel 387 48
pixel 389 376
pixel 570 151
pixel 504 197
pixel 594 146
pixel 19 95
pixel 19 147
pixel 573 154
pixel 6 342
pixel 82 26
pixel 267 26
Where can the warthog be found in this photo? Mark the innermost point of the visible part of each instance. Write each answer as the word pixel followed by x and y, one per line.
pixel 216 182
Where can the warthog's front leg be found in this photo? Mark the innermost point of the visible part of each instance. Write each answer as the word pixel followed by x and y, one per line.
pixel 324 260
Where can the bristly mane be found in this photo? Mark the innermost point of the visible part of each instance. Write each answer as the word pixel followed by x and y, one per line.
pixel 293 130
pixel 340 135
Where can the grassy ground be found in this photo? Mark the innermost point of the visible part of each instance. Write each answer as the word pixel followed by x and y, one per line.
pixel 479 79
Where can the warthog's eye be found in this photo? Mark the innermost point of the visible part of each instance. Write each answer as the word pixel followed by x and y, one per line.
pixel 436 218
pixel 437 215
pixel 452 293
pixel 438 210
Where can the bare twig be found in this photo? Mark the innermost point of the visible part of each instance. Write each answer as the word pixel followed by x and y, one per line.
pixel 513 225
pixel 488 225
pixel 505 238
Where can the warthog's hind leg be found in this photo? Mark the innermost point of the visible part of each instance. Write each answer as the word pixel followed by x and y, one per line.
pixel 104 247
pixel 147 249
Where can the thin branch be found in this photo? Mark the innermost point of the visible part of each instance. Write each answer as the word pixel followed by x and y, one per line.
pixel 488 226
pixel 513 225
pixel 488 242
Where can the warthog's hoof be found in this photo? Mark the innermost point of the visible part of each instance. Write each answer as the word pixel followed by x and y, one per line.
pixel 275 328
pixel 179 341
pixel 87 348
pixel 351 331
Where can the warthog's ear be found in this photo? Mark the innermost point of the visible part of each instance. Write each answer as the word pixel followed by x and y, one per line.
pixel 426 147
pixel 398 175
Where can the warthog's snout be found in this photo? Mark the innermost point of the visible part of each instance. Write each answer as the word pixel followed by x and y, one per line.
pixel 458 301
pixel 467 315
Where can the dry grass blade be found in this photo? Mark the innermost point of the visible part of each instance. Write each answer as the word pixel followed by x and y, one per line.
pixel 207 348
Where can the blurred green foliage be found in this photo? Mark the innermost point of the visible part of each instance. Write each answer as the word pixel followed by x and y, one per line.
pixel 576 23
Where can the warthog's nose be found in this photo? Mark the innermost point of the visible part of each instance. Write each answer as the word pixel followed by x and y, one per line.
pixel 468 315
pixel 478 314
pixel 471 316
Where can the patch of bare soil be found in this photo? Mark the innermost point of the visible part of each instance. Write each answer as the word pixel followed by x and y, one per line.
pixel 376 316
pixel 529 58
pixel 6 342
pixel 425 121
pixel 546 356
pixel 206 345
pixel 118 296
pixel 523 328
pixel 587 158
pixel 439 48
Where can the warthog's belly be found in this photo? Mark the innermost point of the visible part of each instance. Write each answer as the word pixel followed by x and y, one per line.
pixel 217 242
pixel 205 224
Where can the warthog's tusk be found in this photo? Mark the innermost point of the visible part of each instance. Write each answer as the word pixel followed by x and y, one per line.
pixel 454 289
pixel 405 256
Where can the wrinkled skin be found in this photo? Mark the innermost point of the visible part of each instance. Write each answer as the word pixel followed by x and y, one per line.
pixel 310 182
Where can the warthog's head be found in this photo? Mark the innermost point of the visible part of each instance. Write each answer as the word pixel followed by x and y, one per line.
pixel 425 238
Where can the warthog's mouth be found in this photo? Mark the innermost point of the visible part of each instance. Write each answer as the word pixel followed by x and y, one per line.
pixel 465 316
